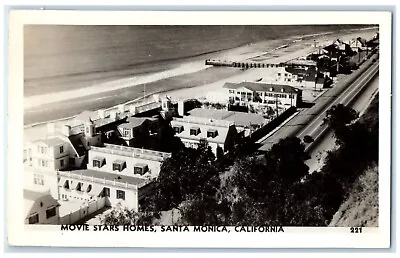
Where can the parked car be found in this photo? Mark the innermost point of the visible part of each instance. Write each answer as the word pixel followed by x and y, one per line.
pixel 308 139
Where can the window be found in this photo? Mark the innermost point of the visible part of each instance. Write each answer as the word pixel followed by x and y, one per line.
pixel 126 132
pixel 194 131
pixel 43 163
pixel 140 169
pixel 120 194
pixel 178 128
pixel 286 74
pixel 42 149
pixel 99 162
pixel 38 179
pixel 212 133
pixel 61 149
pixel 89 188
pixel 62 163
pixel 51 212
pixel 288 80
pixel 106 192
pixel 79 187
pixel 66 184
pixel 33 219
pixel 96 163
pixel 118 165
pixel 231 91
pixel 279 74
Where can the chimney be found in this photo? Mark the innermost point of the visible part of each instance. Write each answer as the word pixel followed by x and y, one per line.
pixel 156 98
pixel 121 108
pixel 181 108
pixel 66 130
pixel 133 109
pixel 113 115
pixel 51 128
pixel 102 113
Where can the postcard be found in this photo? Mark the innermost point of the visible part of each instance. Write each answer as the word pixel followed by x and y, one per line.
pixel 199 129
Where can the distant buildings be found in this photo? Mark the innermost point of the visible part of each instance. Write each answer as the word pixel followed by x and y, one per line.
pixel 40 208
pixel 262 94
pixel 307 77
pixel 220 134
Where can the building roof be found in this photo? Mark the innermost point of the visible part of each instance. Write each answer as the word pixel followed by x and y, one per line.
pixel 133 122
pixel 130 152
pixel 86 115
pixel 52 141
pixel 204 124
pixel 95 174
pixel 362 41
pixel 298 62
pixel 95 118
pixel 295 70
pixel 77 144
pixel 239 118
pixel 255 86
pixel 30 197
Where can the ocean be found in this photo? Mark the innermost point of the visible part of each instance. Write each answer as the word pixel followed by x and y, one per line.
pixel 54 53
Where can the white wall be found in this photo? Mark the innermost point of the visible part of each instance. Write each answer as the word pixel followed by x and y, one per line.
pixel 50 181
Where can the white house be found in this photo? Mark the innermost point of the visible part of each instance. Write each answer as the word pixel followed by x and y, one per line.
pixel 40 208
pixel 263 94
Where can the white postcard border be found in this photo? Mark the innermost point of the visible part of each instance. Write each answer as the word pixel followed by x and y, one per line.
pixel 293 237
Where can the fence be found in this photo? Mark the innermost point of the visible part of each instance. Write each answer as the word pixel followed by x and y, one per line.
pixel 272 125
pixel 84 211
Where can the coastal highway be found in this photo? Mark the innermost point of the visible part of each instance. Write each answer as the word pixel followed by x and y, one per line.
pixel 318 149
pixel 308 121
pixel 315 129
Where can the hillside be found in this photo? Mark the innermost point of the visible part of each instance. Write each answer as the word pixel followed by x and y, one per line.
pixel 362 206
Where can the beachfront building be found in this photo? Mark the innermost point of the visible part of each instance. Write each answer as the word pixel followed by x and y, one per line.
pixel 220 134
pixel 137 130
pixel 308 77
pixel 40 208
pixel 121 175
pixel 263 94
pixel 359 44
pixel 246 123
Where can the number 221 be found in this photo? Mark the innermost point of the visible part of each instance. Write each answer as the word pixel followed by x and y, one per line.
pixel 356 230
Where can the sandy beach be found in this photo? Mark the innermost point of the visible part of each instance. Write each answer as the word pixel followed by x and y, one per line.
pixel 190 79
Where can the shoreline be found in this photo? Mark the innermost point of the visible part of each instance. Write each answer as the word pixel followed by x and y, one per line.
pixel 254 53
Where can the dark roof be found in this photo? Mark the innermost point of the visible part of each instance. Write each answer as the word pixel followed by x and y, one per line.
pixel 294 70
pixel 320 80
pixel 76 141
pixel 133 122
pixel 362 41
pixel 261 87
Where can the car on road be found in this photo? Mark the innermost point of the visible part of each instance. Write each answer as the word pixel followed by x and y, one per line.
pixel 308 139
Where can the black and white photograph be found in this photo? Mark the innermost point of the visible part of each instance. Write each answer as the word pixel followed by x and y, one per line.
pixel 250 129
